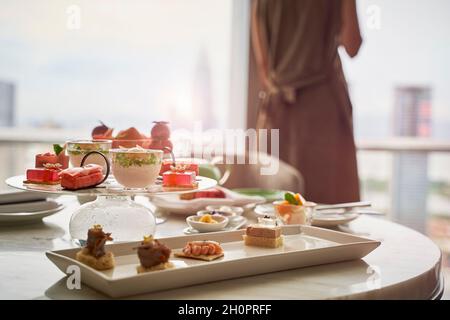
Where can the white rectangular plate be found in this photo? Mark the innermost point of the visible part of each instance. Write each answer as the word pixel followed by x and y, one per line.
pixel 303 246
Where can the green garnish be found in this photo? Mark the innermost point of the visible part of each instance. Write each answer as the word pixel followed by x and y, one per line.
pixel 289 197
pixel 57 148
pixel 77 149
pixel 124 160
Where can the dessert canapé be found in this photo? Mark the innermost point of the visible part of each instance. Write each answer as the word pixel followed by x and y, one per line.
pixel 179 178
pixel 94 254
pixel 58 156
pixel 82 177
pixel 153 255
pixel 202 250
pixel 266 233
pixel 136 167
pixel 294 209
pixel 167 164
pixel 49 174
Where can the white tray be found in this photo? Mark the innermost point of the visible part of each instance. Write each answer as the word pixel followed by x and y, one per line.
pixel 304 246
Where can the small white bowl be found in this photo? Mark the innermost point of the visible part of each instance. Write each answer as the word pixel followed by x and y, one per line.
pixel 193 222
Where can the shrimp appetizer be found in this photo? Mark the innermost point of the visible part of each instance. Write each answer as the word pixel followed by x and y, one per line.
pixel 201 250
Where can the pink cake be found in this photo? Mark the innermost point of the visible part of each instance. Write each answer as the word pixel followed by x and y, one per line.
pixel 179 179
pixel 43 176
pixel 167 164
pixel 82 177
pixel 44 158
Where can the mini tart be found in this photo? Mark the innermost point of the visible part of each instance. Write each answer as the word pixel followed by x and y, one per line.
pixel 104 262
pixel 161 266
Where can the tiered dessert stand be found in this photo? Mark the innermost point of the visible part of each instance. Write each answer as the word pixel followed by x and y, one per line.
pixel 113 208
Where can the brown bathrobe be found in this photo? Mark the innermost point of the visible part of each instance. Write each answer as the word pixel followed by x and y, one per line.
pixel 305 94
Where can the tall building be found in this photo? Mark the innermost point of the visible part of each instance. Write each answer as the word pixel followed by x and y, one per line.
pixel 412 118
pixel 7 104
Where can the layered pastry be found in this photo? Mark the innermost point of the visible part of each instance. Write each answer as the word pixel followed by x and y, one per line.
pixel 153 255
pixel 58 156
pixel 94 253
pixel 49 174
pixel 266 233
pixel 179 178
pixel 82 177
pixel 209 193
pixel 201 250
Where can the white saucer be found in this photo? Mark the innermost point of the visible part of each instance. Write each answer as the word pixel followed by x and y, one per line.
pixel 26 212
pixel 324 220
pixel 234 224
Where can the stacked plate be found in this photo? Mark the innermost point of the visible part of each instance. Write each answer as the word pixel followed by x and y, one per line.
pixel 26 207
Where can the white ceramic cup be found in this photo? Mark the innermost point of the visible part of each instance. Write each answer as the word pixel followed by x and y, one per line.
pixel 136 168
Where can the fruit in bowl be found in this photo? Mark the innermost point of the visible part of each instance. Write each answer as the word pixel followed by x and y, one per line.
pixel 160 130
pixel 160 136
pixel 294 209
pixel 131 138
pixel 102 132
pixel 207 224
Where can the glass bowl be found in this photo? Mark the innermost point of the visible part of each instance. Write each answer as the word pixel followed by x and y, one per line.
pixel 77 149
pixel 295 214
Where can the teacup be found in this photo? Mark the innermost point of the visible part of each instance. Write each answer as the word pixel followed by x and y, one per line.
pixel 77 149
pixel 137 167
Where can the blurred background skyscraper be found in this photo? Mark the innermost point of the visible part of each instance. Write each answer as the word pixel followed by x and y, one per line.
pixel 7 104
pixel 412 118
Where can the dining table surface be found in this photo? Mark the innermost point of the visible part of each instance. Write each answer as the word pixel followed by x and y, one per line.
pixel 407 265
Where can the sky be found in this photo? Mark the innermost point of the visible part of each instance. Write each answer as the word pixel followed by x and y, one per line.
pixel 132 62
pixel 410 47
pixel 129 63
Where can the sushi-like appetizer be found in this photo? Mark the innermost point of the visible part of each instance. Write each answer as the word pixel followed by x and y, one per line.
pixel 94 254
pixel 201 250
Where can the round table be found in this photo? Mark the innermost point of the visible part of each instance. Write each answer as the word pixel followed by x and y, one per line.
pixel 407 265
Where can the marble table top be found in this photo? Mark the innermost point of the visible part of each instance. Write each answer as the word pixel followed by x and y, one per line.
pixel 405 266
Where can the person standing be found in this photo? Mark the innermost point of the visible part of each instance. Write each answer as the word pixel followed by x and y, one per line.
pixel 304 92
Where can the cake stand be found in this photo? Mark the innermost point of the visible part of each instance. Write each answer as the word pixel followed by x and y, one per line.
pixel 114 207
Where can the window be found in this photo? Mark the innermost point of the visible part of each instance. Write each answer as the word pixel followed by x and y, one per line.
pixel 126 63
